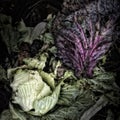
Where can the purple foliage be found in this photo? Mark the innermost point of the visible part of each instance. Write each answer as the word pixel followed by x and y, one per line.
pixel 80 51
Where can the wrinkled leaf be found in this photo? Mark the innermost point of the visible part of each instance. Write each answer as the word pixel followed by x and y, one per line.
pixel 80 50
pixel 48 78
pixel 68 94
pixel 43 105
pixel 27 87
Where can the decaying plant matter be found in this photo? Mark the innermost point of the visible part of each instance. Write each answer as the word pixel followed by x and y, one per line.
pixel 56 72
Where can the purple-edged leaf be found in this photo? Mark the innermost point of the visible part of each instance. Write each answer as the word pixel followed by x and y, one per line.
pixel 82 53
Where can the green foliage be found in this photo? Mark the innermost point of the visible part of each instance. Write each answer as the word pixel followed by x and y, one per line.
pixel 43 95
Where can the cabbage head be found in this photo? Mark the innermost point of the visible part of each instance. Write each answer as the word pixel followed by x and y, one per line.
pixel 32 92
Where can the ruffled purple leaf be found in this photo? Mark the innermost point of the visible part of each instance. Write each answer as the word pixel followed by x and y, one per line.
pixel 82 53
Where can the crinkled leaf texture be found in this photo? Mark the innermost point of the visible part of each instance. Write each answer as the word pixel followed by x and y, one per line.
pixel 32 93
pixel 28 86
pixel 80 48
pixel 68 94
pixel 85 105
pixel 42 106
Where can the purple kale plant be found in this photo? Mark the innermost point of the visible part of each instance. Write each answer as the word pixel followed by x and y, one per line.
pixel 80 49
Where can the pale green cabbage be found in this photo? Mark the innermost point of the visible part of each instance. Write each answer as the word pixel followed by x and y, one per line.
pixel 31 92
pixel 27 87
pixel 45 104
pixel 35 62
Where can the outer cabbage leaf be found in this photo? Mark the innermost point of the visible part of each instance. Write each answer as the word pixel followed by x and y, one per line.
pixel 16 114
pixel 6 115
pixel 42 106
pixel 48 78
pixel 68 94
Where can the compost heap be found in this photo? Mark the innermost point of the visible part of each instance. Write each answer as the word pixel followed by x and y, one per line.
pixel 57 70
